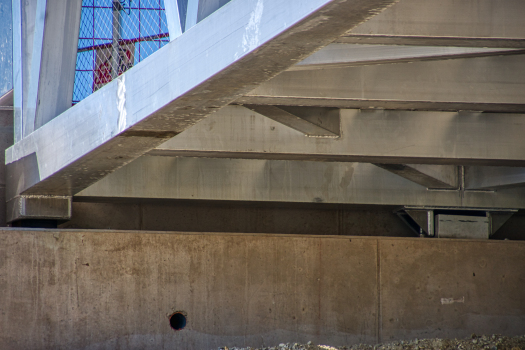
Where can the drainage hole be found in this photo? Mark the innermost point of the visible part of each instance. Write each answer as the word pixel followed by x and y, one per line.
pixel 177 321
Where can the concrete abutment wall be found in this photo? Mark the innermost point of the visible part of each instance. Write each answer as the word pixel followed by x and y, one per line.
pixel 65 289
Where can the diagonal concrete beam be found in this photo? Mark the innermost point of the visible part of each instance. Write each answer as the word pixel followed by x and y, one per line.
pixel 427 175
pixel 223 57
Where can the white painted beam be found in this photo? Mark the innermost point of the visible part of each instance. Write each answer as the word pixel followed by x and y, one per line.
pixel 294 121
pixel 58 60
pixel 192 11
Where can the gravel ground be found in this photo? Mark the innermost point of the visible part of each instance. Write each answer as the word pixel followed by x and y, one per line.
pixel 475 342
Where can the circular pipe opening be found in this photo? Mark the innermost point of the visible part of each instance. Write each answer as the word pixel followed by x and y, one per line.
pixel 177 321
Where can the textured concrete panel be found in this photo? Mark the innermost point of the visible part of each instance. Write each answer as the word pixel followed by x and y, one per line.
pixel 451 288
pixel 77 289
pixel 106 290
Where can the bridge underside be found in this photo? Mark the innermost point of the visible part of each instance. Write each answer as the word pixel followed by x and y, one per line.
pixel 296 127
pixel 329 104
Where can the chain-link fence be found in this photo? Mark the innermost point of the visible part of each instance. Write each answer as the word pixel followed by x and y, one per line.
pixel 114 36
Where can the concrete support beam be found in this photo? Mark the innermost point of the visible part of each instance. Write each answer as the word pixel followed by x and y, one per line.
pixel 159 177
pixel 494 177
pixel 495 84
pixel 181 84
pixel 319 123
pixel 389 137
pixel 173 18
pixel 482 23
pixel 207 7
pixel 429 176
pixel 6 47
pixel 347 55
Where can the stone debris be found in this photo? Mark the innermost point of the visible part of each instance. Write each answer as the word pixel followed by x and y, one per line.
pixel 475 342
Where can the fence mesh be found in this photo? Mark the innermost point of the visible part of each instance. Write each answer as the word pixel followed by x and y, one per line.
pixel 114 36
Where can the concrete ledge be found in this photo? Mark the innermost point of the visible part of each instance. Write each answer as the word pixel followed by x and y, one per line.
pixel 39 207
pixel 83 289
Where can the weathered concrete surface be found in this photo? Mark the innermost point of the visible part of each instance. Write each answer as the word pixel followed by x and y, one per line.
pixel 113 290
pixel 437 287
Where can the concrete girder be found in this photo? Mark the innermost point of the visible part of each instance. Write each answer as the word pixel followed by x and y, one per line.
pixel 348 55
pixel 45 36
pixel 223 57
pixel 495 84
pixel 158 177
pixel 371 136
pixel 480 23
